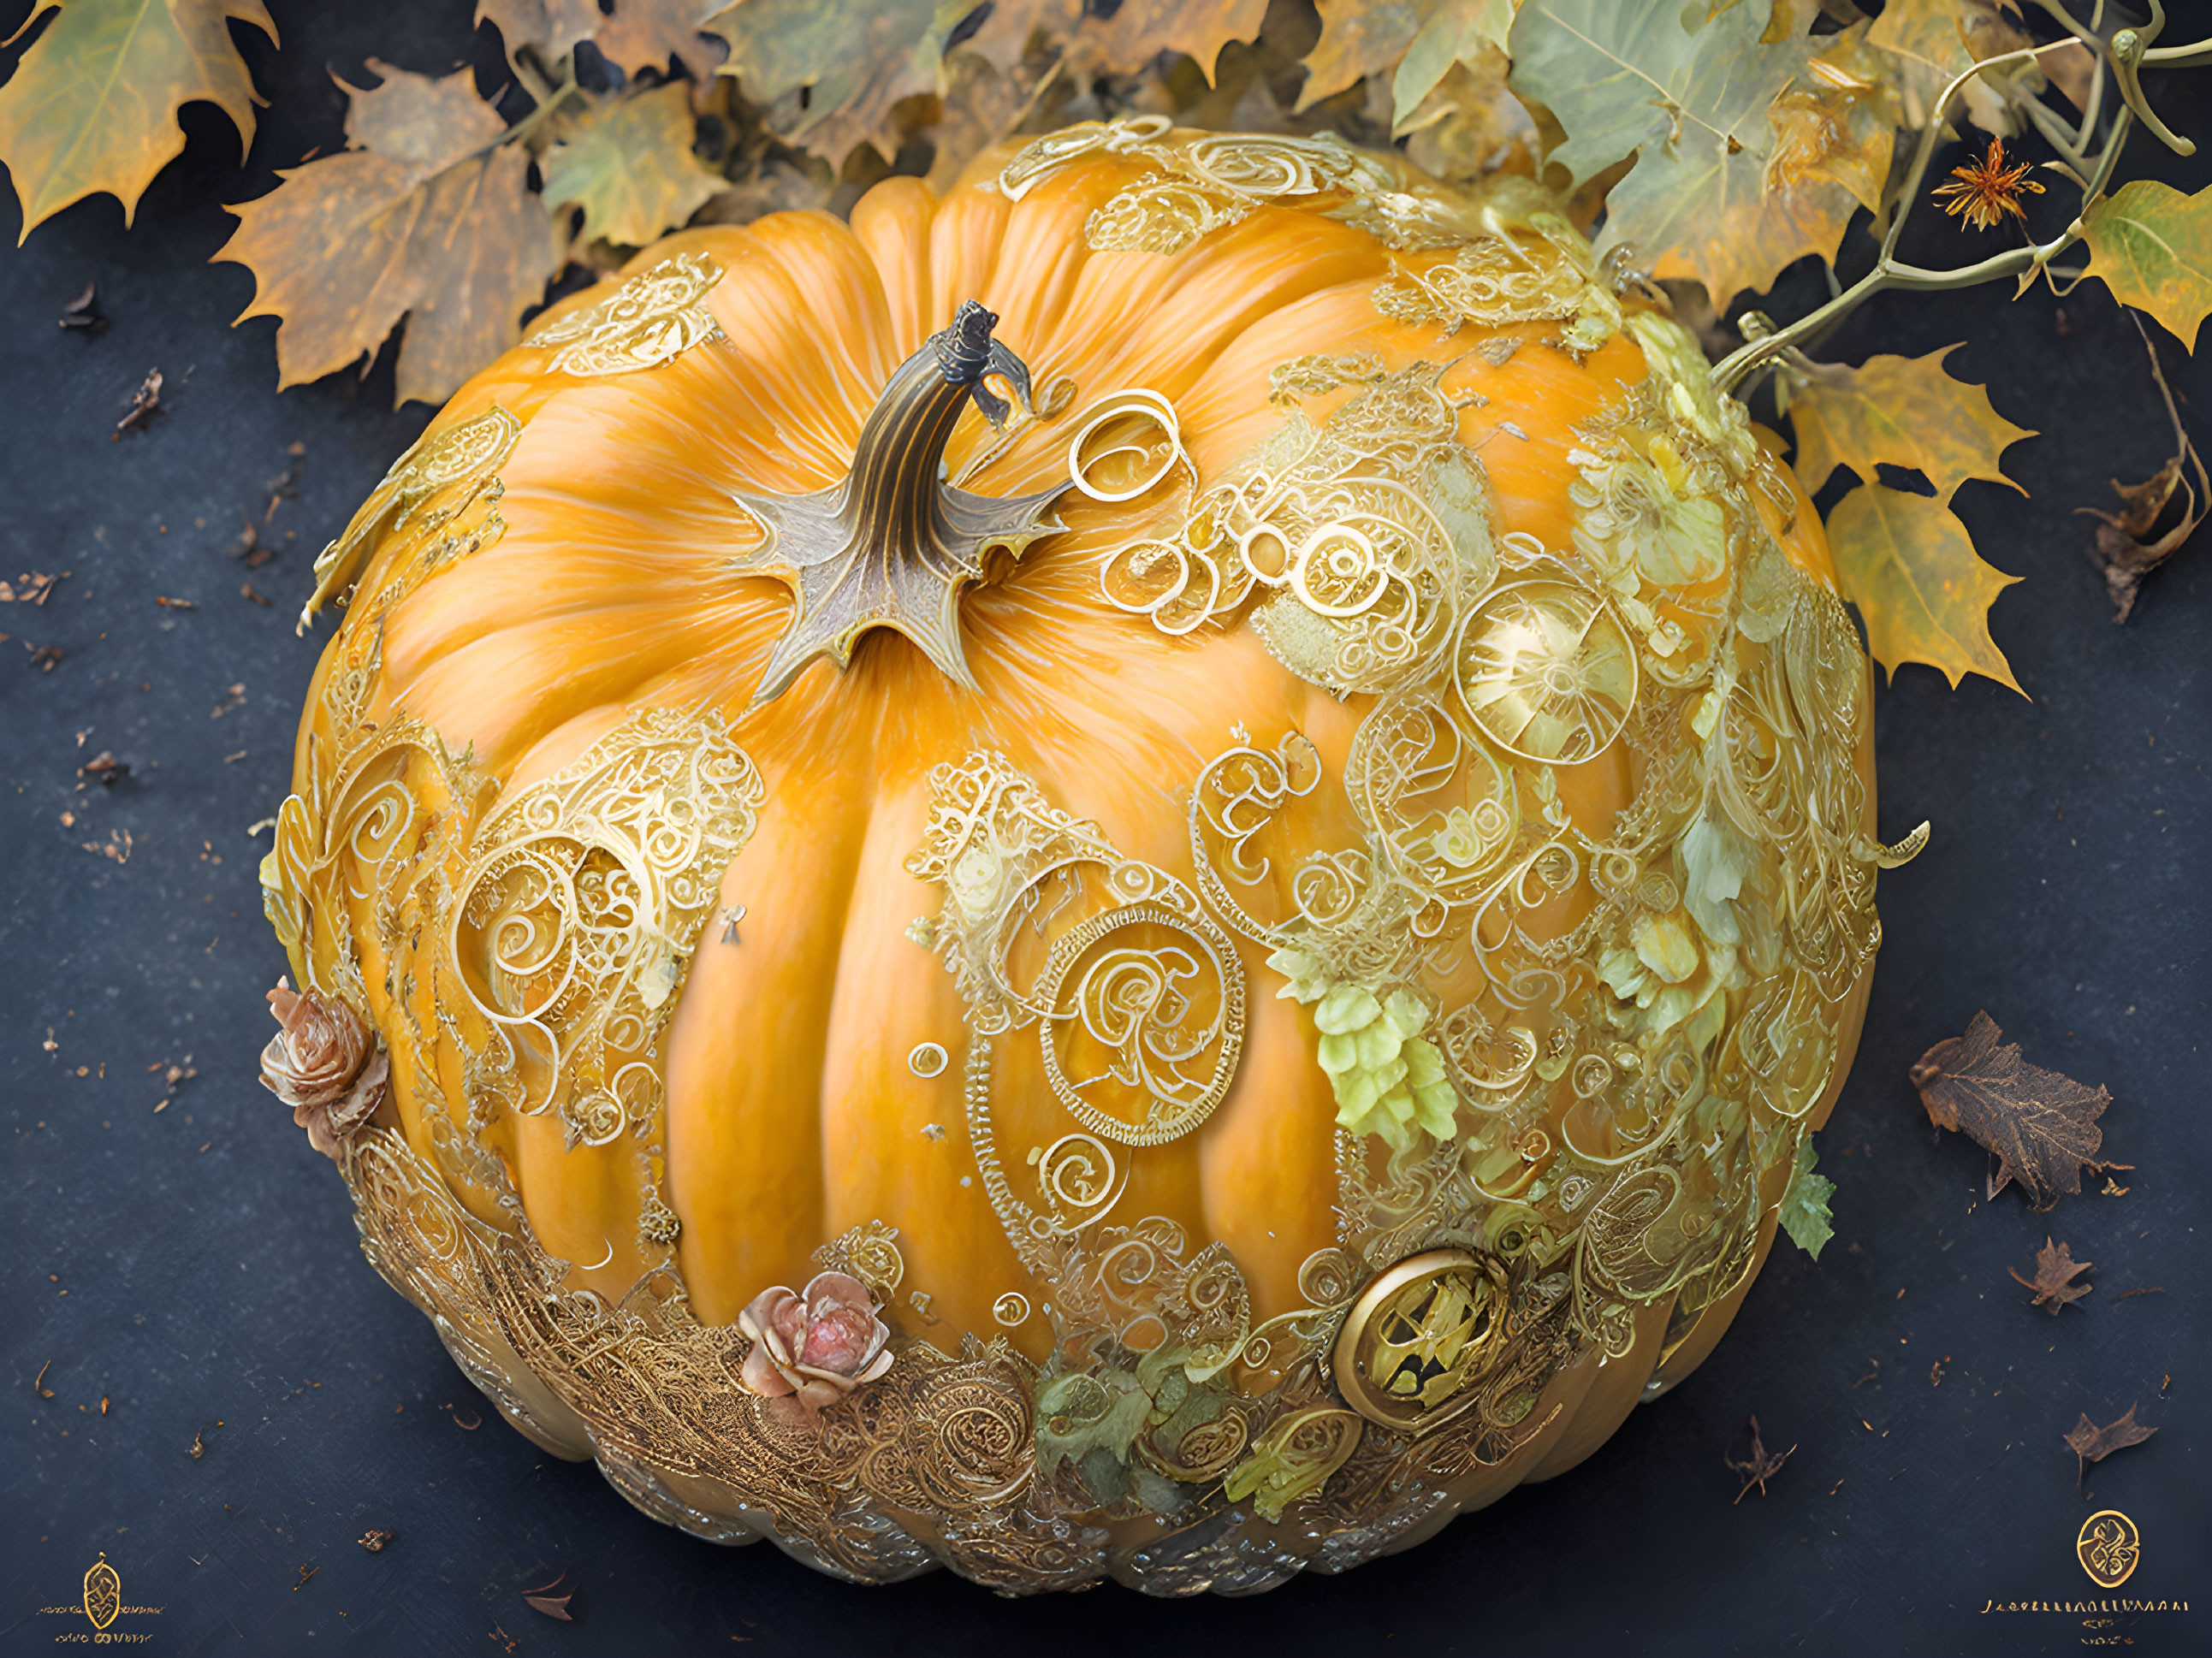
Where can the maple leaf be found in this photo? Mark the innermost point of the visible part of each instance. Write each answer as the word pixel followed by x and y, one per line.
pixel 1471 124
pixel 1759 1465
pixel 1924 594
pixel 1420 39
pixel 2041 1127
pixel 1140 30
pixel 432 218
pixel 1805 1214
pixel 647 34
pixel 2055 1271
pixel 629 164
pixel 2153 246
pixel 1719 191
pixel 1932 42
pixel 1901 411
pixel 853 61
pixel 2091 1444
pixel 92 106
pixel 551 27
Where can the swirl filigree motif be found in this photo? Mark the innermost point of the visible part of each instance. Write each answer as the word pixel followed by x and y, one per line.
pixel 652 318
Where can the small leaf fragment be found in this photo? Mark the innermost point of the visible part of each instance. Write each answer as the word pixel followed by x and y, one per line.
pixel 1758 1465
pixel 1805 1214
pixel 2153 246
pixel 1899 412
pixel 2040 1127
pixel 647 34
pixel 1909 565
pixel 2055 1271
pixel 629 166
pixel 2091 1444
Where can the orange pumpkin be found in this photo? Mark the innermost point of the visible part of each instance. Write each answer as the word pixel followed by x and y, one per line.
pixel 1226 889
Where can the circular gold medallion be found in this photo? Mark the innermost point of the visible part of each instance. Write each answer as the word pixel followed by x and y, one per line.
pixel 1545 668
pixel 2108 1547
pixel 1418 1336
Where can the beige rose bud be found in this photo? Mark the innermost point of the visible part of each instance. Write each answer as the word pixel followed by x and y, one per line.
pixel 817 1344
pixel 324 1064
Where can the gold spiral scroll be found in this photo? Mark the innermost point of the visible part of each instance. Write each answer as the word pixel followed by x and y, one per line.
pixel 1420 1335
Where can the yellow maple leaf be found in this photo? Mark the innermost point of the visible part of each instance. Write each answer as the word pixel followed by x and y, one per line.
pixel 647 34
pixel 1909 565
pixel 1140 30
pixel 551 27
pixel 629 164
pixel 1418 40
pixel 2153 246
pixel 1899 412
pixel 1931 42
pixel 91 107
pixel 432 219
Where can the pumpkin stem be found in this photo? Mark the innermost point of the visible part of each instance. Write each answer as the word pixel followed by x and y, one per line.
pixel 892 544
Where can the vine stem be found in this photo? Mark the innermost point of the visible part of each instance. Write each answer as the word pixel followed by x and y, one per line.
pixel 1889 272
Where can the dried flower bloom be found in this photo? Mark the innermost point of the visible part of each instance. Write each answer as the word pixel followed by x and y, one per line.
pixel 818 1344
pixel 1985 191
pixel 326 1064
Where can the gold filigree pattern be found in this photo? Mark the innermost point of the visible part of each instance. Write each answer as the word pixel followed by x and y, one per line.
pixel 653 318
pixel 575 918
pixel 1205 180
pixel 427 486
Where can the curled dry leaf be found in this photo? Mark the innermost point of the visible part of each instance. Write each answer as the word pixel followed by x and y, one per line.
pixel 552 1599
pixel 373 1541
pixel 2039 1127
pixel 2055 1271
pixel 2125 549
pixel 1758 1465
pixel 2092 1443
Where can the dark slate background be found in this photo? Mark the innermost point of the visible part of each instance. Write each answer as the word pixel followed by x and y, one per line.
pixel 194 1271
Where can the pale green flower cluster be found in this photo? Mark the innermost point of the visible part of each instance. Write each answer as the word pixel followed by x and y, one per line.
pixel 1388 1079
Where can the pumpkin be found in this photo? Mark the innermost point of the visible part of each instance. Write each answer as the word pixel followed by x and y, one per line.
pixel 1152 870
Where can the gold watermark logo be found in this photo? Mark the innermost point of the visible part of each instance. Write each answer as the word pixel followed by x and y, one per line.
pixel 101 1605
pixel 2109 1547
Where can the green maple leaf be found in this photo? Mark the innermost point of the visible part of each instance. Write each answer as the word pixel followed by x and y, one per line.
pixel 2153 246
pixel 629 166
pixel 1694 108
pixel 92 106
pixel 1805 1205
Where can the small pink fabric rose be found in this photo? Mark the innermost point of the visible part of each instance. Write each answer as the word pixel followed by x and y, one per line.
pixel 818 1344
pixel 324 1064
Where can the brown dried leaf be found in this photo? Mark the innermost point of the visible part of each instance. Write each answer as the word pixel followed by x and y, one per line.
pixel 1758 1465
pixel 552 1605
pixel 647 34
pixel 145 403
pixel 1140 30
pixel 854 59
pixel 2039 1126
pixel 2123 551
pixel 549 28
pixel 2055 1271
pixel 373 1541
pixel 424 221
pixel 2092 1443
